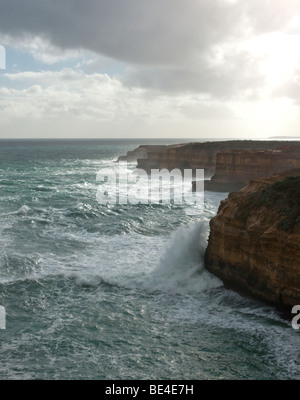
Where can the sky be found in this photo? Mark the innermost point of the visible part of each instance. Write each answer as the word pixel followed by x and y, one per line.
pixel 149 68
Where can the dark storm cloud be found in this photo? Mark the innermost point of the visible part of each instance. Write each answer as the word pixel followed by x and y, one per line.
pixel 170 42
pixel 143 31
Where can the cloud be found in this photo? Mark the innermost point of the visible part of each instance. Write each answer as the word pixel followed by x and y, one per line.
pixel 156 32
pixel 270 15
pixel 43 50
pixel 169 45
pixel 94 96
pixel 71 103
pixel 290 88
pixel 53 94
pixel 150 68
pixel 236 74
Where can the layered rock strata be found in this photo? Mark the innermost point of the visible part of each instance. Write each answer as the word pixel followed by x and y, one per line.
pixel 192 155
pixel 235 168
pixel 254 242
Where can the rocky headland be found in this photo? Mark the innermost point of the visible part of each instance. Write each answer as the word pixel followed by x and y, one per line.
pixel 140 152
pixel 254 242
pixel 225 161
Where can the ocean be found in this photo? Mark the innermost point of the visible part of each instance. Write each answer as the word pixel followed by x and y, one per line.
pixel 97 291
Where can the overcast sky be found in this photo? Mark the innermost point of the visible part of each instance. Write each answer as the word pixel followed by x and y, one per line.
pixel 150 68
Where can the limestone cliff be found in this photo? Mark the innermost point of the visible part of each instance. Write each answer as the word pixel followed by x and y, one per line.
pixel 196 155
pixel 188 156
pixel 254 242
pixel 235 168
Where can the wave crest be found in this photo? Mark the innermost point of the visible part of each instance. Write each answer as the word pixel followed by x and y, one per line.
pixel 181 268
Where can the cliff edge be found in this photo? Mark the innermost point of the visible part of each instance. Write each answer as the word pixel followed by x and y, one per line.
pixel 254 242
pixel 236 168
pixel 228 165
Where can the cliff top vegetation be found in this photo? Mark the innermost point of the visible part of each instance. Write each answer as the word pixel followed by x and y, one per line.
pixel 281 199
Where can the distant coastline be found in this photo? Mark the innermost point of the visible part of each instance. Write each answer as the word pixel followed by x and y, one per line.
pixel 285 137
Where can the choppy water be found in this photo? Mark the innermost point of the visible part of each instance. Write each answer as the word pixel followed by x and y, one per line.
pixel 118 292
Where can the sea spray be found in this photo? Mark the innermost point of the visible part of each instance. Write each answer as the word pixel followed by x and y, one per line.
pixel 181 267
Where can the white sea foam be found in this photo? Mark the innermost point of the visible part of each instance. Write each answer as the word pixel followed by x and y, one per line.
pixel 181 267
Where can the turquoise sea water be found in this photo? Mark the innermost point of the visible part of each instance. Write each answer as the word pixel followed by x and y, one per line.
pixel 118 292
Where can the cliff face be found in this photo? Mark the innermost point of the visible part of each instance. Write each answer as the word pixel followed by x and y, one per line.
pixel 254 242
pixel 213 157
pixel 239 167
pixel 197 155
pixel 188 156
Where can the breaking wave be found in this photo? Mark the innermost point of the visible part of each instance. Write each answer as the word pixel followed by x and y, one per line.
pixel 181 268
